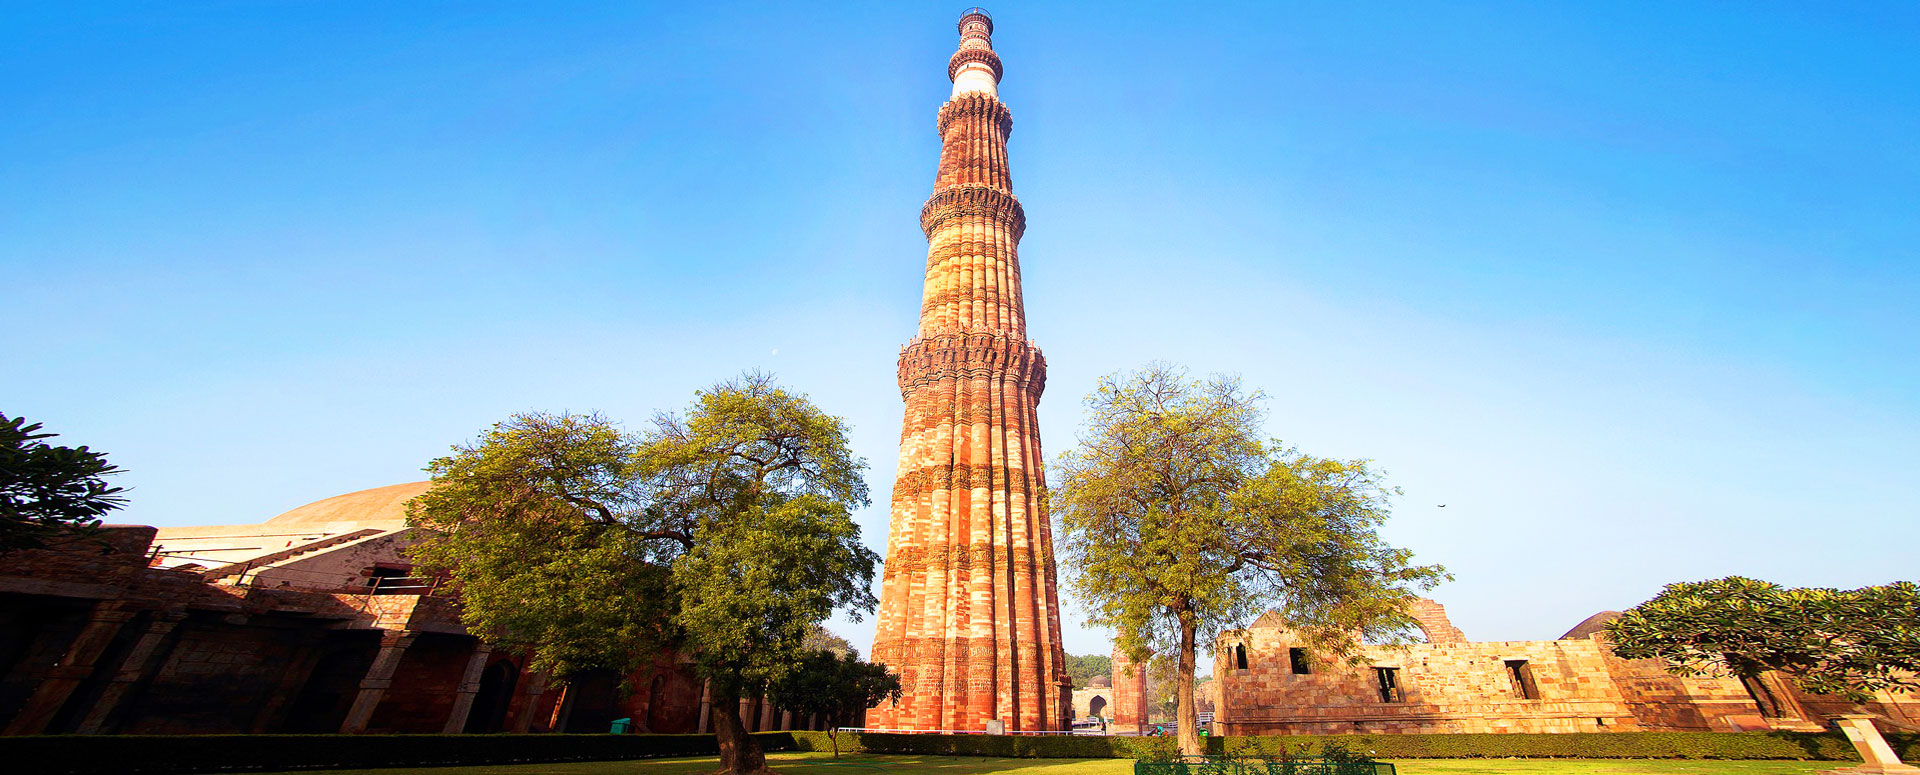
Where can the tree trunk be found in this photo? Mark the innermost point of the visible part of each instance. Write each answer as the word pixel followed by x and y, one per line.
pixel 739 753
pixel 833 737
pixel 1183 717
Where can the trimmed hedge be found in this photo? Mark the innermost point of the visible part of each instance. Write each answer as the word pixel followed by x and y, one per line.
pixel 180 754
pixel 1824 746
pixel 176 754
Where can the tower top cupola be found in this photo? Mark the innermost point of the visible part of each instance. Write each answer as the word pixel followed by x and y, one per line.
pixel 974 67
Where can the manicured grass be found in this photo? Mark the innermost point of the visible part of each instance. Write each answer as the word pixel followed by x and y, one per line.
pixel 865 764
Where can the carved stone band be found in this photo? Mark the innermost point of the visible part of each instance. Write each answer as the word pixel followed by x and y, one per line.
pixel 960 201
pixel 976 105
pixel 965 55
pixel 932 359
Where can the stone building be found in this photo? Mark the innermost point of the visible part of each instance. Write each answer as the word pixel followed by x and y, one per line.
pixel 1270 684
pixel 969 612
pixel 308 622
pixel 1094 699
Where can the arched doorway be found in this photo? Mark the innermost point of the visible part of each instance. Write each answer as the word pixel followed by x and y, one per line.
pixel 322 703
pixel 673 703
pixel 490 703
pixel 1095 705
pixel 594 696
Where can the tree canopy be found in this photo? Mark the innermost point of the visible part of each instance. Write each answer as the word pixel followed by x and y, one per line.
pixel 834 685
pixel 1180 520
pixel 724 534
pixel 1829 641
pixel 49 494
pixel 1082 668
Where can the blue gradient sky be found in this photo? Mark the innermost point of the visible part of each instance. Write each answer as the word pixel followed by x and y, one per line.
pixel 1627 286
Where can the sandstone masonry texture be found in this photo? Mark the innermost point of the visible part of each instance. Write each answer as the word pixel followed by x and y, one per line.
pixel 1271 684
pixel 969 614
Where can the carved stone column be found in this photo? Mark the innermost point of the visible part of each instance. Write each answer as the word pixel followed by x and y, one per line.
pixel 469 686
pixel 530 702
pixel 273 713
pixel 706 706
pixel 393 646
pixel 72 670
pixel 138 666
pixel 1876 757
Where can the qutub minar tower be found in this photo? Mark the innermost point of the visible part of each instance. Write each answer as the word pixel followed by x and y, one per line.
pixel 969 613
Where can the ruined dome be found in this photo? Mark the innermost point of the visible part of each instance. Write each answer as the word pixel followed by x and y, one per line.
pixel 379 505
pixel 1099 682
pixel 1590 625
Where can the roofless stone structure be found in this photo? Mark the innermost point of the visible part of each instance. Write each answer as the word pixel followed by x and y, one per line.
pixel 969 614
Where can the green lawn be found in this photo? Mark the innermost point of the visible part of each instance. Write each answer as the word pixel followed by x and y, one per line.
pixel 824 764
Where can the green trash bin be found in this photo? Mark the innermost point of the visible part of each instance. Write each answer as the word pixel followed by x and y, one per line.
pixel 621 726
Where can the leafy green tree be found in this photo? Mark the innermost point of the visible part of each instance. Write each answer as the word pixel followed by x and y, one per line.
pixel 821 639
pixel 1848 643
pixel 49 494
pixel 1083 668
pixel 1178 520
pixel 835 685
pixel 725 535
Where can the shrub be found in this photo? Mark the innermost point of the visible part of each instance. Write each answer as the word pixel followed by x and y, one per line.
pixel 165 754
pixel 1826 746
pixel 172 754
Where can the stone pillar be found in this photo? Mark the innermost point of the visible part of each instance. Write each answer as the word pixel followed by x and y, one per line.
pixel 706 706
pixel 786 720
pixel 273 712
pixel 72 670
pixel 393 645
pixel 1129 705
pixel 766 716
pixel 469 686
pixel 1875 755
pixel 562 709
pixel 136 667
pixel 530 702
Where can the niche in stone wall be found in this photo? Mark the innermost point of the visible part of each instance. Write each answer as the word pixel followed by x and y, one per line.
pixel 1520 675
pixel 1387 680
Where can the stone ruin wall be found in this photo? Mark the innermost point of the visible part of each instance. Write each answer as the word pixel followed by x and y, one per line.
pixel 1451 685
pixel 97 641
pixel 1129 696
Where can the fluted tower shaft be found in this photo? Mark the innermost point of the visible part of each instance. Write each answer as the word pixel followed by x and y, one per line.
pixel 969 611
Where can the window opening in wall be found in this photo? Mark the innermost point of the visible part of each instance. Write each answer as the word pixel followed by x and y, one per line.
pixel 1297 658
pixel 1240 657
pixel 1521 676
pixel 385 577
pixel 1389 679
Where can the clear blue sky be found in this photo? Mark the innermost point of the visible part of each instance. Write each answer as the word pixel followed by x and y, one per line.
pixel 1629 287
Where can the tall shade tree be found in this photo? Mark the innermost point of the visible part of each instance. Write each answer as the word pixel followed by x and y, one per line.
pixel 1848 643
pixel 49 494
pixel 725 534
pixel 834 685
pixel 1179 520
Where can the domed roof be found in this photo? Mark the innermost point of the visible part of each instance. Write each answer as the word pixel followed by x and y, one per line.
pixel 1099 682
pixel 1590 625
pixel 380 504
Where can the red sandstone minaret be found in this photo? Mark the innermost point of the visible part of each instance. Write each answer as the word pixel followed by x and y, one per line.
pixel 969 615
